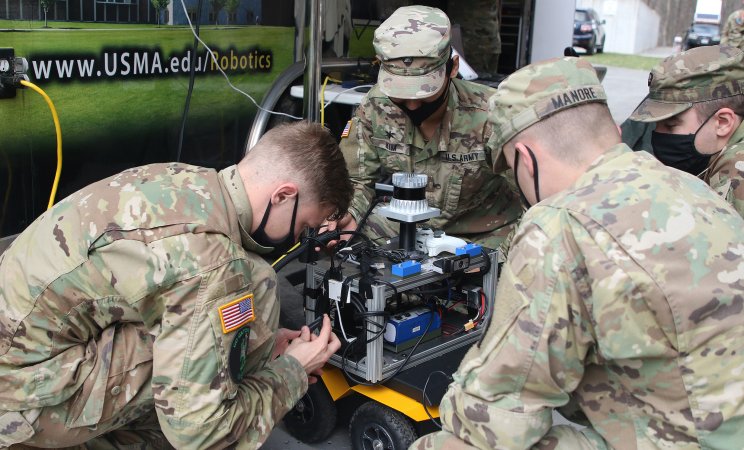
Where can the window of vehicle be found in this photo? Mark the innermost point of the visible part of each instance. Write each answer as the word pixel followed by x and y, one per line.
pixel 705 29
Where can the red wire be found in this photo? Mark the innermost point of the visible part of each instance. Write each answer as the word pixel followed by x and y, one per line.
pixel 482 309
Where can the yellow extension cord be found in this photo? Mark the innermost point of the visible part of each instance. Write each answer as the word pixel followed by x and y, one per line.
pixel 58 131
pixel 322 98
pixel 285 255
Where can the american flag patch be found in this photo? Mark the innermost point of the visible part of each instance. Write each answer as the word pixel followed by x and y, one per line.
pixel 347 128
pixel 237 313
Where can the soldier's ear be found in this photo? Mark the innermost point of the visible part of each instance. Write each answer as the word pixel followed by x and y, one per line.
pixel 726 122
pixel 455 66
pixel 283 192
pixel 525 157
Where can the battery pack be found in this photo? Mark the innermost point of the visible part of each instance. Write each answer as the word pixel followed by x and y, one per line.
pixel 410 324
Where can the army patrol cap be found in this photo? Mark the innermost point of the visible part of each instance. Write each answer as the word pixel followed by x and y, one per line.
pixel 413 46
pixel 697 75
pixel 535 92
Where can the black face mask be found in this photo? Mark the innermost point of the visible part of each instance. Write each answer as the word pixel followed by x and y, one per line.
pixel 522 197
pixel 282 245
pixel 679 151
pixel 423 112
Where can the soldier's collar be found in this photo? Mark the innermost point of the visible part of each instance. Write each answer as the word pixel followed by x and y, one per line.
pixel 611 153
pixel 732 147
pixel 235 187
pixel 738 135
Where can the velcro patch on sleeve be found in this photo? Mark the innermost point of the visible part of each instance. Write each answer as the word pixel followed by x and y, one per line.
pixel 236 313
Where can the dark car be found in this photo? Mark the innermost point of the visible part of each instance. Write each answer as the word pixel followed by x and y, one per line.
pixel 700 34
pixel 589 31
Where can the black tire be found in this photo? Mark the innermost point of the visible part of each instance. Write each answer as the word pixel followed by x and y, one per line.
pixel 600 49
pixel 591 47
pixel 375 426
pixel 288 105
pixel 313 418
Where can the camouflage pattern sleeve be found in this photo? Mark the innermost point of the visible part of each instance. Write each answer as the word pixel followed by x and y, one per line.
pixel 362 161
pixel 733 30
pixel 212 381
pixel 531 357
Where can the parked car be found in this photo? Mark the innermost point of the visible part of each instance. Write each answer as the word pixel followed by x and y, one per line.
pixel 589 32
pixel 700 34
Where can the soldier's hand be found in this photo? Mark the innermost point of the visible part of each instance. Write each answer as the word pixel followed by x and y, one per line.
pixel 346 223
pixel 313 352
pixel 312 378
pixel 282 337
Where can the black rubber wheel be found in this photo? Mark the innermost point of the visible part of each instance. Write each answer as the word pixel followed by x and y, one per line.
pixel 376 427
pixel 313 418
pixel 591 47
pixel 600 49
pixel 287 105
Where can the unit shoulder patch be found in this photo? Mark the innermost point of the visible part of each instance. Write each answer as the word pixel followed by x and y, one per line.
pixel 238 357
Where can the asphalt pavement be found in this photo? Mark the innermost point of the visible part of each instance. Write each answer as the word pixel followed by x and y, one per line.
pixel 625 88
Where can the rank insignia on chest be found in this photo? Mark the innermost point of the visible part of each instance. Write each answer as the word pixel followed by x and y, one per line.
pixel 236 313
pixel 347 128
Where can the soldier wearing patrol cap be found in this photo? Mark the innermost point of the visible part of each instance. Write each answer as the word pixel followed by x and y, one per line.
pixel 622 296
pixel 733 29
pixel 696 99
pixel 420 118
pixel 137 312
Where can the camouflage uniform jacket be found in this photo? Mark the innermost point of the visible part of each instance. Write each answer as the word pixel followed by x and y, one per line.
pixel 725 173
pixel 461 182
pixel 164 245
pixel 623 295
pixel 733 30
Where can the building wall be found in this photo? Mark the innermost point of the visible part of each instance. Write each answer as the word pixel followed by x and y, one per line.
pixel 248 13
pixel 552 29
pixel 637 25
pixel 648 23
pixel 78 11
pixel 140 11
pixel 631 26
pixel 20 9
